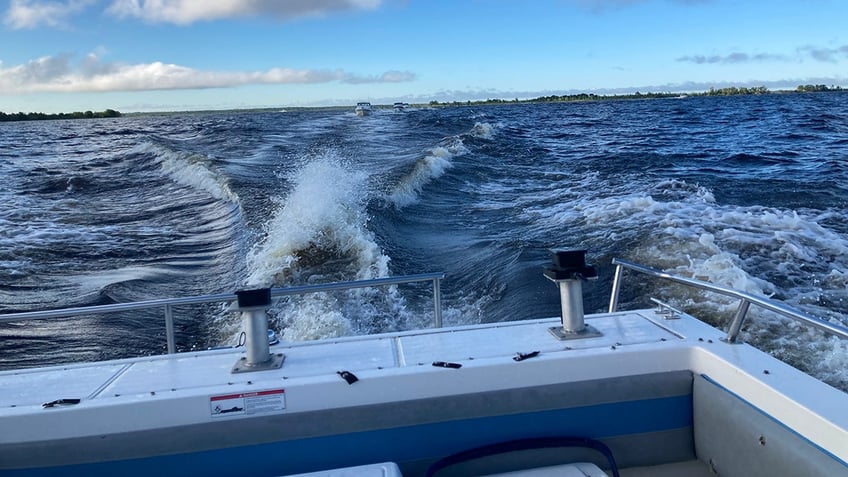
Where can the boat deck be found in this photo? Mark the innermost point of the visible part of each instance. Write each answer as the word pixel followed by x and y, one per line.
pixel 145 378
pixel 495 363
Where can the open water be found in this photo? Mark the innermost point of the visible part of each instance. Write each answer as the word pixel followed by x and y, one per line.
pixel 749 192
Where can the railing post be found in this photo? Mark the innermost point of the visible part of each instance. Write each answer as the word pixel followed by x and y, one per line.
pixel 437 302
pixel 616 288
pixel 738 319
pixel 169 329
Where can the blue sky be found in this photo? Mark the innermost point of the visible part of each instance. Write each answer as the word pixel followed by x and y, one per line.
pixel 167 55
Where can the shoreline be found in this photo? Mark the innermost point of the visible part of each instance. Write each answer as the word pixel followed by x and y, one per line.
pixel 570 98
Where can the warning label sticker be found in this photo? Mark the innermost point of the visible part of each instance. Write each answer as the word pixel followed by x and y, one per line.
pixel 259 402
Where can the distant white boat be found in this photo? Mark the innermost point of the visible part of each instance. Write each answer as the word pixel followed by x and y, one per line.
pixel 399 106
pixel 363 108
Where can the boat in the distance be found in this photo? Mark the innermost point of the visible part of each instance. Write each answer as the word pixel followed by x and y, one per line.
pixel 363 108
pixel 640 392
pixel 400 106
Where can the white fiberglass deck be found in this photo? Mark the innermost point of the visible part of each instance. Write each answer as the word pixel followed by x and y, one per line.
pixel 143 378
pixel 185 389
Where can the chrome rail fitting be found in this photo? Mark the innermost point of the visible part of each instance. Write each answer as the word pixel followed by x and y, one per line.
pixel 254 318
pixel 745 301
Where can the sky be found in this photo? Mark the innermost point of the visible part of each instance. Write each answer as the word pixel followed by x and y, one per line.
pixel 182 55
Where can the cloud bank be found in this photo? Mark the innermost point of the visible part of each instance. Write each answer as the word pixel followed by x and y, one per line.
pixel 183 12
pixel 24 14
pixel 732 58
pixel 60 74
pixel 829 55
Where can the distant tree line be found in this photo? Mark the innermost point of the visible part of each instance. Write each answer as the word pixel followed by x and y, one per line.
pixel 729 91
pixel 109 113
pixel 733 91
pixel 812 88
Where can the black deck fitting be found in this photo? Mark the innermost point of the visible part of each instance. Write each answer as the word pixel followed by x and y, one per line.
pixel 569 265
pixel 259 298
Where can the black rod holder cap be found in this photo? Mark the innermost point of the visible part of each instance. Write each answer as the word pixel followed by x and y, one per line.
pixel 569 265
pixel 259 298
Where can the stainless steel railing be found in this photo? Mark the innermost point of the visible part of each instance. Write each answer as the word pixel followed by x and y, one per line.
pixel 167 304
pixel 745 300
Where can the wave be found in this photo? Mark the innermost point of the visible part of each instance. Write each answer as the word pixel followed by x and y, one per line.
pixel 426 169
pixel 190 169
pixel 320 234
pixel 780 253
pixel 681 227
pixel 483 130
pixel 322 220
pixel 433 166
pixel 118 220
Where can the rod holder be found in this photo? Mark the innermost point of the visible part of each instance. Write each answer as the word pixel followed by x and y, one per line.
pixel 253 306
pixel 568 270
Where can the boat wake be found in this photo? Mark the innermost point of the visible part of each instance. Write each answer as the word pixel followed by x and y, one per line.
pixel 190 169
pixel 682 229
pixel 432 166
pixel 319 234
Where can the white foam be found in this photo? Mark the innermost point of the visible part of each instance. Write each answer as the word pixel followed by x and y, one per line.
pixel 323 217
pixel 426 169
pixel 483 130
pixel 190 170
pixel 766 251
pixel 681 228
pixel 319 234
pixel 312 317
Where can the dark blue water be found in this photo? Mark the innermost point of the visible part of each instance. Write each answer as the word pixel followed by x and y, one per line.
pixel 748 192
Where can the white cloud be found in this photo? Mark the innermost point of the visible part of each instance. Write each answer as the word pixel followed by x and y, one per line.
pixel 825 54
pixel 183 12
pixel 821 54
pixel 732 58
pixel 23 14
pixel 60 74
pixel 33 13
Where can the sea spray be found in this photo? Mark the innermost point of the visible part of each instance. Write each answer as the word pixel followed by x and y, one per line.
pixel 482 130
pixel 320 234
pixel 193 170
pixel 426 169
pixel 322 220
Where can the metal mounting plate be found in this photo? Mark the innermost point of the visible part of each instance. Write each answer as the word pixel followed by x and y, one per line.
pixel 563 335
pixel 276 362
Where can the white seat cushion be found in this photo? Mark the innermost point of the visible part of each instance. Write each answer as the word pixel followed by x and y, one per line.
pixel 385 469
pixel 577 469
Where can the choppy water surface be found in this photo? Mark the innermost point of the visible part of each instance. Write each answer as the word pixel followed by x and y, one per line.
pixel 747 192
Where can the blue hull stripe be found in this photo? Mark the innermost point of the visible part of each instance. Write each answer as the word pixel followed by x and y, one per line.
pixel 401 444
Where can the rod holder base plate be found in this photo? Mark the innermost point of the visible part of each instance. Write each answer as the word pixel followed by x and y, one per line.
pixel 275 362
pixel 588 331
